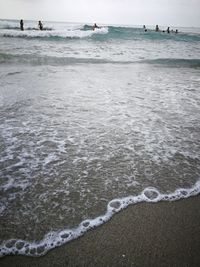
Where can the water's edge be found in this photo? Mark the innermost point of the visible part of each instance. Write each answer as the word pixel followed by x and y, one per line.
pixel 58 238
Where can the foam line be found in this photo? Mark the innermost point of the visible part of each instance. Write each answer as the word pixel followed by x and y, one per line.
pixel 57 238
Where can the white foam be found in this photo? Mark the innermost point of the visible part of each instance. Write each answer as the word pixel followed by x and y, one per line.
pixel 77 33
pixel 2 208
pixel 50 158
pixel 57 238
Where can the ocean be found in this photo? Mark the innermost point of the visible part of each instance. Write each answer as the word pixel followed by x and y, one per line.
pixel 91 122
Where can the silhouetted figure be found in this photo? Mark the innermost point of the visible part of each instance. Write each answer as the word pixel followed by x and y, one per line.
pixel 21 25
pixel 168 31
pixel 95 27
pixel 157 28
pixel 176 31
pixel 40 25
pixel 144 27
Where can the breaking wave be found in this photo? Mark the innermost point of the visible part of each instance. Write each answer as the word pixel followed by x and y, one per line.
pixel 85 31
pixel 53 34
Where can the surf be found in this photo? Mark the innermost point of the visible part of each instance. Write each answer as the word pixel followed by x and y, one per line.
pixel 11 29
pixel 91 122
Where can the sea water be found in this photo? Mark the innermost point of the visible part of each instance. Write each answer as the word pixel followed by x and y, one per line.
pixel 90 122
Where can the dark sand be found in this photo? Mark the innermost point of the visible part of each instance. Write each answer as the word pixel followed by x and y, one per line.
pixel 162 234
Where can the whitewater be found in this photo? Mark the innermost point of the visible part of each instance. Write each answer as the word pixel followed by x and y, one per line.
pixel 91 122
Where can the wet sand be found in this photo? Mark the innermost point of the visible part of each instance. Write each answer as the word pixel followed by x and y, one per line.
pixel 161 234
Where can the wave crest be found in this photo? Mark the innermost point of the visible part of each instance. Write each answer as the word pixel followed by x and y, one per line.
pixel 49 33
pixel 11 29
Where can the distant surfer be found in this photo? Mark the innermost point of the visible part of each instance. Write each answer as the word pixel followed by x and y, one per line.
pixel 168 31
pixel 176 31
pixel 95 26
pixel 144 27
pixel 21 25
pixel 40 25
pixel 157 28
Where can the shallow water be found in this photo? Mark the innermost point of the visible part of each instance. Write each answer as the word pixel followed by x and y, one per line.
pixel 110 114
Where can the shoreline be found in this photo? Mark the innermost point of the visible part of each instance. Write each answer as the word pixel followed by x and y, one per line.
pixel 145 234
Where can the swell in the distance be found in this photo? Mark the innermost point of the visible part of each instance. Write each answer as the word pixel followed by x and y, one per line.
pixel 29 59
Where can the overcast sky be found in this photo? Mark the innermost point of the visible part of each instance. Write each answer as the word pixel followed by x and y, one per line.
pixel 150 12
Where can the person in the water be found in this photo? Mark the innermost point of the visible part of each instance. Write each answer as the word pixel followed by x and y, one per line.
pixel 157 28
pixel 144 27
pixel 40 25
pixel 168 31
pixel 21 25
pixel 95 26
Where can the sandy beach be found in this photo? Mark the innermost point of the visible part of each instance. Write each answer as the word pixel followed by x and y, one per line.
pixel 161 234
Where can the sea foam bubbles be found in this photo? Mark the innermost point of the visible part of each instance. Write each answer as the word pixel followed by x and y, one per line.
pixel 57 238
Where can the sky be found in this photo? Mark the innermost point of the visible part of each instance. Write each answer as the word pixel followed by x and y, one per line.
pixel 133 12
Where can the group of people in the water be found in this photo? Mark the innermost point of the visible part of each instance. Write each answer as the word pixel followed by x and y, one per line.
pixel 95 26
pixel 158 30
pixel 40 25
